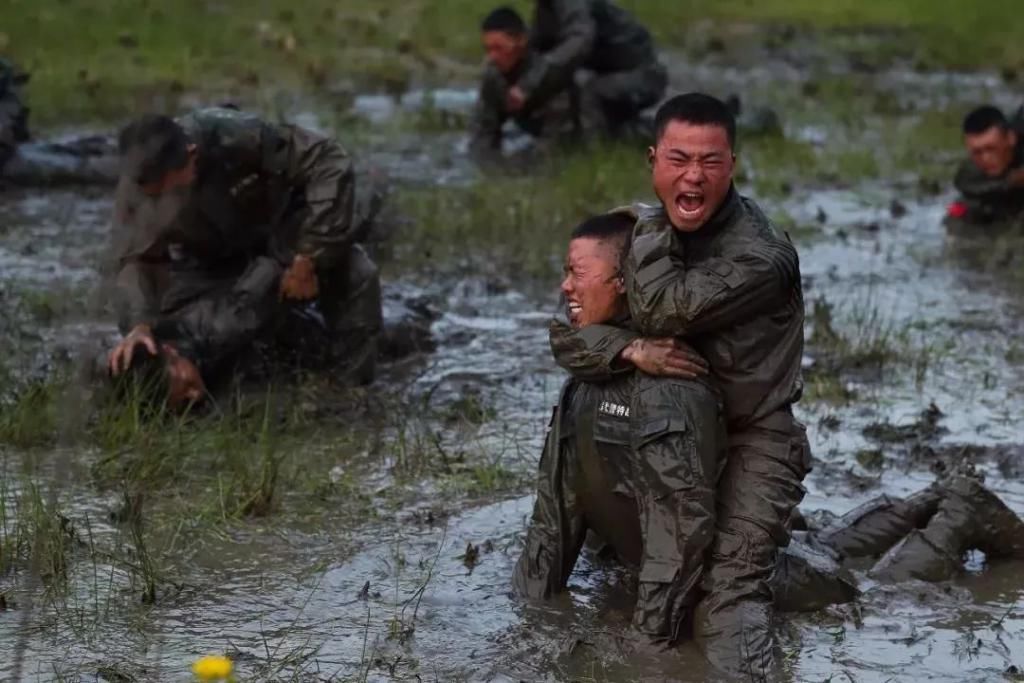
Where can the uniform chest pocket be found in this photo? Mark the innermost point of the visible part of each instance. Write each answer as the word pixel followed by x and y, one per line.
pixel 666 455
pixel 614 430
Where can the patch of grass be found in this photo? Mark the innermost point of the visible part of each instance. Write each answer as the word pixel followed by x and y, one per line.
pixel 519 223
pixel 34 533
pixel 102 61
pixel 29 418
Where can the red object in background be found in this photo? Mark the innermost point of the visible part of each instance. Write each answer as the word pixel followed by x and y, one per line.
pixel 956 210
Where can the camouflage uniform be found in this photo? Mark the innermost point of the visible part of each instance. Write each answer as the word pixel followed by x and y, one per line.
pixel 733 291
pixel 203 266
pixel 13 112
pixel 635 460
pixel 552 122
pixel 990 200
pixel 596 36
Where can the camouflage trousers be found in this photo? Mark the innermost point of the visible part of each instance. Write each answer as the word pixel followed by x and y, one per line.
pixel 756 496
pixel 634 460
pixel 610 103
pixel 217 317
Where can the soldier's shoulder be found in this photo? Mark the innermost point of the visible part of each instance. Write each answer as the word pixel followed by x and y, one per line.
pixel 224 126
pixel 649 217
pixel 751 220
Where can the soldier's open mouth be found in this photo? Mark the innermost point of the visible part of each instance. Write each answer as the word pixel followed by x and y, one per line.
pixel 690 204
pixel 573 308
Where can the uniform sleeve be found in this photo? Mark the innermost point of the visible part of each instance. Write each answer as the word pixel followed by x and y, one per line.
pixel 590 353
pixel 324 170
pixel 138 257
pixel 668 299
pixel 553 70
pixel 488 117
pixel 975 185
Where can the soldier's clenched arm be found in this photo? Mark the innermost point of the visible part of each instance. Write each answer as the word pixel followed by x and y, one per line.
pixel 667 298
pixel 591 353
pixel 324 170
pixel 554 69
pixel 975 185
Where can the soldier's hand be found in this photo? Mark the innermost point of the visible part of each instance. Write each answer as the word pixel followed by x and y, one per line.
pixel 515 99
pixel 299 282
pixel 1016 178
pixel 120 359
pixel 665 357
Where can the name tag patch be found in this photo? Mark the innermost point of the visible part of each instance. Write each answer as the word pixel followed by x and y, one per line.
pixel 613 409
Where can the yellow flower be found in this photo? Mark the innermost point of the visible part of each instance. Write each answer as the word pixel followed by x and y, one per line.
pixel 212 668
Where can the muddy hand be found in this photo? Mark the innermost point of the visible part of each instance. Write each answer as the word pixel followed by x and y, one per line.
pixel 299 282
pixel 515 99
pixel 120 358
pixel 665 357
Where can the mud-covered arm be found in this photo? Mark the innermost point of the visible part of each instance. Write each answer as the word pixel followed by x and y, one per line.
pixel 973 184
pixel 324 171
pixel 668 299
pixel 591 353
pixel 554 69
pixel 488 117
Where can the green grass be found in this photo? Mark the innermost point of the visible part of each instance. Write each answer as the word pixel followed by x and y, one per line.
pixel 518 223
pixel 106 60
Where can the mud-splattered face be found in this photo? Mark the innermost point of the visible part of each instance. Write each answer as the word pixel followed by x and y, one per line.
pixel 692 168
pixel 174 179
pixel 992 150
pixel 593 287
pixel 504 50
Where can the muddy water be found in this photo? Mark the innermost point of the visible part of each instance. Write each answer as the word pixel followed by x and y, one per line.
pixel 394 598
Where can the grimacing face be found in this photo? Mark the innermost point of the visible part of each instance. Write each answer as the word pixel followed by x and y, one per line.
pixel 504 50
pixel 691 170
pixel 593 287
pixel 992 150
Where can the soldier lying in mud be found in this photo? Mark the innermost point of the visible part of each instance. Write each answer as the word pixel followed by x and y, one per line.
pixel 586 68
pixel 991 180
pixel 636 460
pixel 708 266
pixel 231 231
pixel 23 161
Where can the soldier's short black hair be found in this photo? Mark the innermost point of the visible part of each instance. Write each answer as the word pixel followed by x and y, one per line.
pixel 151 146
pixel 696 108
pixel 146 382
pixel 615 227
pixel 504 19
pixel 981 119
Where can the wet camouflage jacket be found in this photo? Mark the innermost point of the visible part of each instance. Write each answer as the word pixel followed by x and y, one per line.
pixel 13 112
pixel 992 199
pixel 731 289
pixel 262 190
pixel 589 34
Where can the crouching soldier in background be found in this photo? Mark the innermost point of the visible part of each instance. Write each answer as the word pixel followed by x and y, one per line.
pixel 634 459
pixel 509 57
pixel 230 231
pixel 991 180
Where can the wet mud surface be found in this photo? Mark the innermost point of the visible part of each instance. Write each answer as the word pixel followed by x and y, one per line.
pixel 909 369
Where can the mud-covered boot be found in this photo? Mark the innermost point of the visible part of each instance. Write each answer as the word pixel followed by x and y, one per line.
pixel 872 528
pixel 1000 532
pixel 935 553
pixel 807 579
